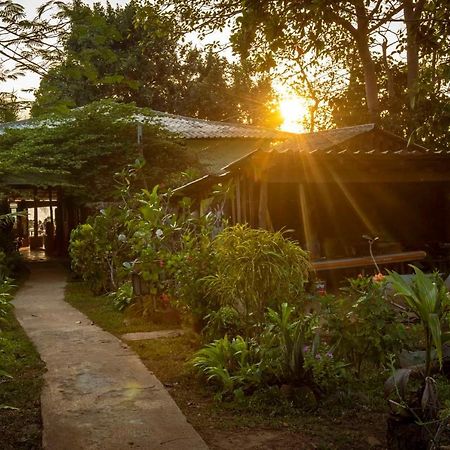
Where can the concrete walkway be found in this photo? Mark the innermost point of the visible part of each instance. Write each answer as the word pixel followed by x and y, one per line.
pixel 97 393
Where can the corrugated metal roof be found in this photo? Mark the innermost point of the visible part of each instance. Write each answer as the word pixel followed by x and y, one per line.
pixel 191 128
pixel 184 127
pixel 322 140
pixel 334 142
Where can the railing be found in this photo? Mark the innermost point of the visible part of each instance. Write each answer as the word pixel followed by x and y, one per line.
pixel 364 261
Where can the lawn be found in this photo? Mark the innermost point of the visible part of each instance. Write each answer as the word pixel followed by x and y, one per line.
pixel 20 408
pixel 354 419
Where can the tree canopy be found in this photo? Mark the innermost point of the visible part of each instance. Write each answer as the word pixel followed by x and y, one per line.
pixel 83 149
pixel 134 53
pixel 356 60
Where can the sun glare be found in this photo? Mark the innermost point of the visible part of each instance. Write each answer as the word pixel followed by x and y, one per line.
pixel 293 110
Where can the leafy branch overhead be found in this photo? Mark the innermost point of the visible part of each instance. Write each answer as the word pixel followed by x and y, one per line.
pixel 85 147
pixel 136 53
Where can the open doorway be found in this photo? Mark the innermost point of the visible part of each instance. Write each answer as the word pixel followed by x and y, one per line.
pixel 34 226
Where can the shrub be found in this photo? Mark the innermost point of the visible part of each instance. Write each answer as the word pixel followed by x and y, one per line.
pixel 287 351
pixel 256 269
pixel 123 296
pixel 98 249
pixel 5 297
pixel 362 324
pixel 226 321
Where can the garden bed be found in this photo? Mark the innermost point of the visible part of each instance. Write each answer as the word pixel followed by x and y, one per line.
pixel 356 419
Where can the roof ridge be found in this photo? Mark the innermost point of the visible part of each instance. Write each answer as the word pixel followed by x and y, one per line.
pixel 218 122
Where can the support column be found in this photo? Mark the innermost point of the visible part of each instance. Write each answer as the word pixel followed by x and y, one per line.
pixel 308 231
pixel 238 200
pixel 264 220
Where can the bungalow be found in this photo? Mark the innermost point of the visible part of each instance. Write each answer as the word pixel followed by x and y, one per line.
pixel 212 144
pixel 336 191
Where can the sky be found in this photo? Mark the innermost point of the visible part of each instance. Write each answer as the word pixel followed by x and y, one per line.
pixel 30 81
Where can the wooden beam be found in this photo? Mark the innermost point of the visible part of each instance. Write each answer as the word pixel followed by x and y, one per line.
pixel 364 261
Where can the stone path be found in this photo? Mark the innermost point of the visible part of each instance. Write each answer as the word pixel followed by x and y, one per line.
pixel 97 393
pixel 145 335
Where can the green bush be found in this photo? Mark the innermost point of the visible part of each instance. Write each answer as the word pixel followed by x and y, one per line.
pixel 98 250
pixel 123 297
pixel 287 352
pixel 226 321
pixel 256 269
pixel 5 297
pixel 362 324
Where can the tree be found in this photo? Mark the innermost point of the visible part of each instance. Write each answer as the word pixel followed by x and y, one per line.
pixel 134 54
pixel 345 35
pixel 25 44
pixel 9 107
pixel 82 150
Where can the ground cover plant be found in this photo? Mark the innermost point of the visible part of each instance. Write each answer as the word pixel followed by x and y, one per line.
pixel 268 419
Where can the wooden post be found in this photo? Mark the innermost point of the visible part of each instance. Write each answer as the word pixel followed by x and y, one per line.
pixel 36 216
pixel 244 200
pixel 50 204
pixel 233 205
pixel 306 221
pixel 238 200
pixel 263 210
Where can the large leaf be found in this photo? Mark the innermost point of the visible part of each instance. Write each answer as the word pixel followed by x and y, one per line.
pixel 429 401
pixel 435 327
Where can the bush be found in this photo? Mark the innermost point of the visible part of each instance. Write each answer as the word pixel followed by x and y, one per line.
pixel 362 324
pixel 256 269
pixel 98 250
pixel 287 352
pixel 226 321
pixel 123 296
pixel 5 297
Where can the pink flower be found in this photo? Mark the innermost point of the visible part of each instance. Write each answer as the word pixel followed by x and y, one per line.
pixel 378 277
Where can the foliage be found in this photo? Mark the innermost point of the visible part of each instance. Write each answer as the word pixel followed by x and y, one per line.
pixel 83 149
pixel 412 391
pixel 134 53
pixel 233 364
pixel 428 298
pixel 192 265
pixel 287 351
pixel 363 325
pixel 20 412
pixel 23 42
pixel 97 251
pixel 256 269
pixel 226 321
pixel 123 297
pixel 5 297
pixel 353 61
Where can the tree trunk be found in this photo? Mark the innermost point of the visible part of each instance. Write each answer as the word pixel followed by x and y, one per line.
pixel 370 76
pixel 390 78
pixel 411 13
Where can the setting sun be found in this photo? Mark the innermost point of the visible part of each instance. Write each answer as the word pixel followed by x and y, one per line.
pixel 293 110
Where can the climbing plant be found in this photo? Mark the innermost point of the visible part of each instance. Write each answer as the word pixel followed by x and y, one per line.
pixel 83 148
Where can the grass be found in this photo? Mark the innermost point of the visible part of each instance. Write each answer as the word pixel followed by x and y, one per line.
pixel 100 310
pixel 264 422
pixel 20 420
